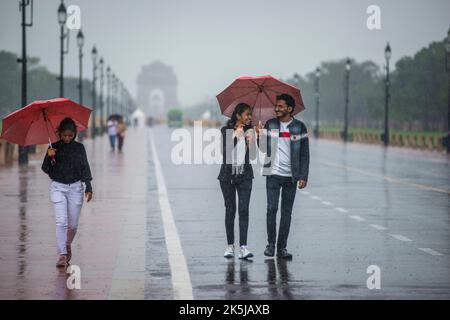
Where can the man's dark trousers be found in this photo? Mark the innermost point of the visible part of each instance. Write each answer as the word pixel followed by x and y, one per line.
pixel 288 189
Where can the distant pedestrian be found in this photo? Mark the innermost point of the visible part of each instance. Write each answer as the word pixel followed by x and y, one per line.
pixel 236 175
pixel 112 132
pixel 67 165
pixel 121 128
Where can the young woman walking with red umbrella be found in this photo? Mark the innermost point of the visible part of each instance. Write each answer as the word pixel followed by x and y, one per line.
pixel 67 165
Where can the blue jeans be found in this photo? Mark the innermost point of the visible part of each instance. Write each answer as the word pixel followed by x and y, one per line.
pixel 288 189
pixel 112 141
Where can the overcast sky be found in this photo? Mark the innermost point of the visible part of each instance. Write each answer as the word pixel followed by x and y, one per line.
pixel 211 42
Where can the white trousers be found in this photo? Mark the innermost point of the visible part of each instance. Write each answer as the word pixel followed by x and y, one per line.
pixel 67 202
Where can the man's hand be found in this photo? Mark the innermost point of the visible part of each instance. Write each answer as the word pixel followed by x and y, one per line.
pixel 88 196
pixel 51 152
pixel 258 128
pixel 301 184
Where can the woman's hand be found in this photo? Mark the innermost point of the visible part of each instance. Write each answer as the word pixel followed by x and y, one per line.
pixel 239 131
pixel 249 137
pixel 88 196
pixel 51 152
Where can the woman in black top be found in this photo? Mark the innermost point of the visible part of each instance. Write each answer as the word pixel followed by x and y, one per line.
pixel 67 165
pixel 236 175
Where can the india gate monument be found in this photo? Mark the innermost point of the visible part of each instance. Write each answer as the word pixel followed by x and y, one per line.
pixel 157 90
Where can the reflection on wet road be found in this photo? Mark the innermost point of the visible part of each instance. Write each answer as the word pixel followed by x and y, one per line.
pixel 363 206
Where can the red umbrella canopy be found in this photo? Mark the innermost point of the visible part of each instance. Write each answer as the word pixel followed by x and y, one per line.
pixel 260 93
pixel 37 122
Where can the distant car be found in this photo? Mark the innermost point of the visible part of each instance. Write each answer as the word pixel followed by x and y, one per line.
pixel 175 118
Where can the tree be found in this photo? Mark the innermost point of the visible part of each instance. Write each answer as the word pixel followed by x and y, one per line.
pixel 419 92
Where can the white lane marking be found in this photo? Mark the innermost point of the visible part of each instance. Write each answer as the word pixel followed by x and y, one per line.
pixel 431 251
pixel 400 237
pixel 395 180
pixel 357 218
pixel 378 227
pixel 305 192
pixel 181 281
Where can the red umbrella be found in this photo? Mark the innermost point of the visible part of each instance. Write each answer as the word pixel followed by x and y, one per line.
pixel 37 122
pixel 260 93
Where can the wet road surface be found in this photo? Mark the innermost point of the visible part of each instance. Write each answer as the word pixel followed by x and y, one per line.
pixel 155 230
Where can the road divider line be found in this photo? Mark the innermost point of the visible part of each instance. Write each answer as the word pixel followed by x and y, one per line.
pixel 401 238
pixel 358 218
pixel 431 251
pixel 181 281
pixel 378 227
pixel 390 179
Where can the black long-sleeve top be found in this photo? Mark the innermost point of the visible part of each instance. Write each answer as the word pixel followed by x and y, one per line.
pixel 71 164
pixel 225 173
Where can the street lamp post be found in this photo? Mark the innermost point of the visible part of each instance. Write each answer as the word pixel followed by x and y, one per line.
pixel 94 55
pixel 102 124
pixel 387 55
pixel 108 91
pixel 121 90
pixel 297 79
pixel 127 105
pixel 113 94
pixel 347 89
pixel 23 151
pixel 62 18
pixel 80 43
pixel 316 129
pixel 118 105
pixel 447 68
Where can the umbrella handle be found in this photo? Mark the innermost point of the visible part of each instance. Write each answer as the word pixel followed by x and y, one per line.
pixel 260 112
pixel 44 113
pixel 52 159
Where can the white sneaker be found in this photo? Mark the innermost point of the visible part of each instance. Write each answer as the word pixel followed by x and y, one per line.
pixel 229 251
pixel 245 253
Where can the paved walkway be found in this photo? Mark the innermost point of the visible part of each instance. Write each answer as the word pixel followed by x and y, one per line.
pixel 110 245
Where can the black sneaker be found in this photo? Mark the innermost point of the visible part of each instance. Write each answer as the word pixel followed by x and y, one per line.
pixel 270 250
pixel 284 254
